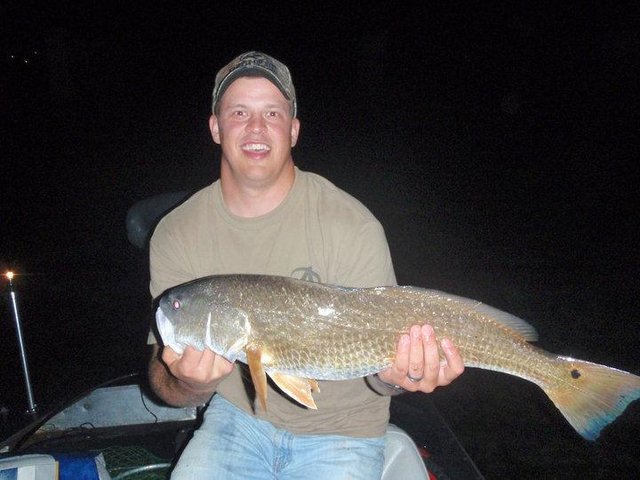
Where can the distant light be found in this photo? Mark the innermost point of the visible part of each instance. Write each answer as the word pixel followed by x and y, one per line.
pixel 9 275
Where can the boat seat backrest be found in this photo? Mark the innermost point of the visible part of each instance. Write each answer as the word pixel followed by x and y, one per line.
pixel 144 215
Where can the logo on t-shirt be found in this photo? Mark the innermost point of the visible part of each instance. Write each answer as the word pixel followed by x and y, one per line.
pixel 307 274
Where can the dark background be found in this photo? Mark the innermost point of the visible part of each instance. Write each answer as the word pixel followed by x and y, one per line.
pixel 496 142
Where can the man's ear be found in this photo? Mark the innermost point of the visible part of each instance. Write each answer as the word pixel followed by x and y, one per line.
pixel 214 128
pixel 295 131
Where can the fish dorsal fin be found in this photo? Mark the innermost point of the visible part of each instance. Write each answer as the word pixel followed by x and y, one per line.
pixel 258 375
pixel 297 388
pixel 513 323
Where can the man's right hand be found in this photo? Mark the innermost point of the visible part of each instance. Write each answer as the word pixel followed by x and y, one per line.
pixel 187 379
pixel 200 371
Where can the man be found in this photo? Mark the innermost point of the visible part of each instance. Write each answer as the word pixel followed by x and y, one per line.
pixel 264 215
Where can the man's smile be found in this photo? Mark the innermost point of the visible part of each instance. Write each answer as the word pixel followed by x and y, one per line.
pixel 256 147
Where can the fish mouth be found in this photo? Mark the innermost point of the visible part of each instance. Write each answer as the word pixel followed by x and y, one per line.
pixel 167 332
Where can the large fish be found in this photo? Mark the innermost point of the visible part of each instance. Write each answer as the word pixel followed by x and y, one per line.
pixel 298 332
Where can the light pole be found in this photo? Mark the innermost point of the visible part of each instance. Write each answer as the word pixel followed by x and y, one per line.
pixel 23 354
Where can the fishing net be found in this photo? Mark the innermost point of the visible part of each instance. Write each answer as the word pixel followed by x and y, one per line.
pixel 134 463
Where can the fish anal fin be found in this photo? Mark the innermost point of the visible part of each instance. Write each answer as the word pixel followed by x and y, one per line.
pixel 297 388
pixel 258 375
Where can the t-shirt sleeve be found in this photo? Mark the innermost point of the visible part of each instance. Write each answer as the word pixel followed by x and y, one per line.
pixel 168 265
pixel 168 262
pixel 365 259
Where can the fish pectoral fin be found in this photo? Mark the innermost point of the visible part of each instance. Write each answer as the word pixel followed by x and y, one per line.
pixel 314 385
pixel 258 375
pixel 297 388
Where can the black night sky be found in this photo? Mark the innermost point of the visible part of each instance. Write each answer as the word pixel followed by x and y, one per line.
pixel 497 144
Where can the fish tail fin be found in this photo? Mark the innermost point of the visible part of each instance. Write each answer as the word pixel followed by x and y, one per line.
pixel 590 396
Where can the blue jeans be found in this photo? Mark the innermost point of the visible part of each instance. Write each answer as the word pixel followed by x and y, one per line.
pixel 233 444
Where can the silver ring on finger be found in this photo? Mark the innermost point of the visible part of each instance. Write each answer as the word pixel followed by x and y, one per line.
pixel 414 379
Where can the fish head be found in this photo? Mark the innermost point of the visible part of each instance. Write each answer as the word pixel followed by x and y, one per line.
pixel 188 317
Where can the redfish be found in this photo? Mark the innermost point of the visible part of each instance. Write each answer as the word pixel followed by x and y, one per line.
pixel 298 332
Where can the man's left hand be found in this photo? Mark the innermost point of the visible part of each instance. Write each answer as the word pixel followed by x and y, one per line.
pixel 418 366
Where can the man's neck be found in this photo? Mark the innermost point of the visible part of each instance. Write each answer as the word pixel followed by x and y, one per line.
pixel 248 200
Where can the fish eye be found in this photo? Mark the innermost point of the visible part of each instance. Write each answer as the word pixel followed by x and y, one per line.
pixel 176 304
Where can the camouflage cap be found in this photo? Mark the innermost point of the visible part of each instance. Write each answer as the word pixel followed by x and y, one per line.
pixel 256 64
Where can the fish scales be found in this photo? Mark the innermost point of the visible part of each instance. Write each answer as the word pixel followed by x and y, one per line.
pixel 337 333
pixel 292 329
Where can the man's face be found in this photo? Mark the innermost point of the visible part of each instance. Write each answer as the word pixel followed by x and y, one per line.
pixel 255 130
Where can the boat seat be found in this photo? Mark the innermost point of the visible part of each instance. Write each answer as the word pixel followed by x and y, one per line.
pixel 402 461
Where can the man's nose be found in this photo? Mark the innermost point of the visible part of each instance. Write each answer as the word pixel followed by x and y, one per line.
pixel 256 123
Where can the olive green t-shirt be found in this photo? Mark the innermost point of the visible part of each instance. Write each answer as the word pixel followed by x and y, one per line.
pixel 318 233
